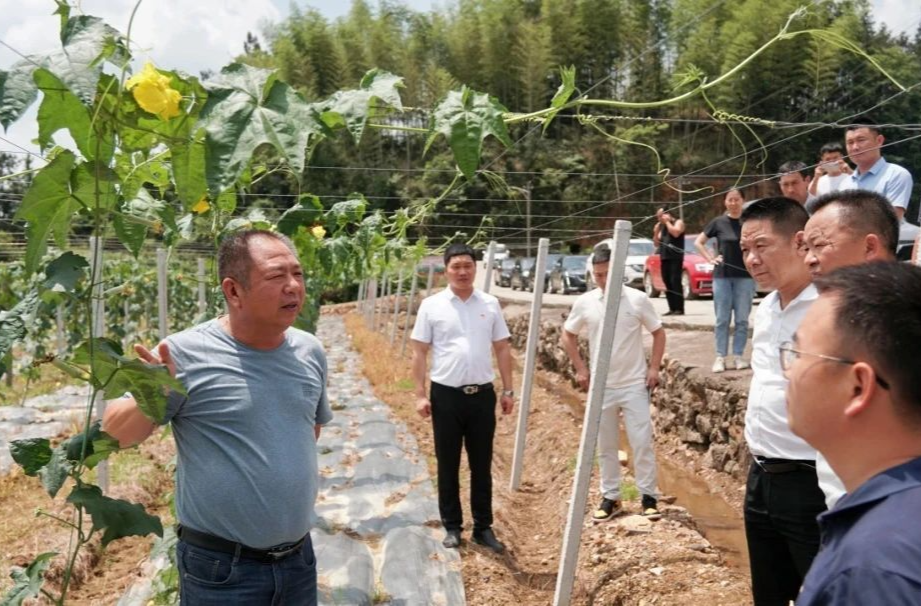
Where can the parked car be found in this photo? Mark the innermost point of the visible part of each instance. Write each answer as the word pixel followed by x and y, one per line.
pixel 522 278
pixel 501 253
pixel 907 235
pixel 568 274
pixel 696 276
pixel 634 266
pixel 548 268
pixel 502 272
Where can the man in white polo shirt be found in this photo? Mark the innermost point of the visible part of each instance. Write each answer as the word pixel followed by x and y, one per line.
pixel 460 325
pixel 627 387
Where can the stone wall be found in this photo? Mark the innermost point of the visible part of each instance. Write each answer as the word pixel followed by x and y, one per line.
pixel 704 412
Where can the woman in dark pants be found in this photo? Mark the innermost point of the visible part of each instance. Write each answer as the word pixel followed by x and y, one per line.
pixel 668 236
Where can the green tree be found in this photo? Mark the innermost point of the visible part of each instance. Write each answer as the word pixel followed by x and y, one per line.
pixel 308 55
pixel 532 55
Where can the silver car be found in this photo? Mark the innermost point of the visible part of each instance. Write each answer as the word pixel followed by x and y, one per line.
pixel 637 251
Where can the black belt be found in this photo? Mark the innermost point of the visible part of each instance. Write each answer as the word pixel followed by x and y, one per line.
pixel 209 541
pixel 470 389
pixel 783 465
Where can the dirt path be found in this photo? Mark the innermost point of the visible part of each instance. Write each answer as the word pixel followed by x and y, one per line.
pixel 101 577
pixel 627 561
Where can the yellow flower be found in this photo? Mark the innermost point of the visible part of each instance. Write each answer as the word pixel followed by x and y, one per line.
pixel 318 232
pixel 153 92
pixel 201 206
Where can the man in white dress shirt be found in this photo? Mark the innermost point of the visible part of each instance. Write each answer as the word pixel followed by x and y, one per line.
pixel 460 325
pixel 782 496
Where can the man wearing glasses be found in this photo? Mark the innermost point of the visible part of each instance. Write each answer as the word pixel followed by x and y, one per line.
pixel 854 395
pixel 782 496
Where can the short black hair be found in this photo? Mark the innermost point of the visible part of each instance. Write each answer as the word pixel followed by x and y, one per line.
pixel 793 166
pixel 831 147
pixel 601 253
pixel 234 258
pixel 458 249
pixel 738 190
pixel 786 215
pixel 864 212
pixel 878 313
pixel 864 122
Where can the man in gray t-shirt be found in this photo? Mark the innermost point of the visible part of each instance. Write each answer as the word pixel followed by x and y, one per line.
pixel 246 479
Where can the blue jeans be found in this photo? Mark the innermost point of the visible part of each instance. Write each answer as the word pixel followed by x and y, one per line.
pixel 214 578
pixel 732 297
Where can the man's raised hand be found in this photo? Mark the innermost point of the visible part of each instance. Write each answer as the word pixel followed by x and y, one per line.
pixel 160 356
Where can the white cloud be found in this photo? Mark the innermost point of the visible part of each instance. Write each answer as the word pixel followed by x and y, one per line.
pixel 193 35
pixel 899 16
pixel 188 35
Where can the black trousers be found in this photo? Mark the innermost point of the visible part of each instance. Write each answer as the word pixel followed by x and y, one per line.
pixel 781 530
pixel 468 422
pixel 671 275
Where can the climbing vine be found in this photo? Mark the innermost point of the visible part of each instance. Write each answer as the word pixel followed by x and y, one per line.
pixel 160 156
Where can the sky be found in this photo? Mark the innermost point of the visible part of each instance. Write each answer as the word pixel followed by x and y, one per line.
pixel 193 35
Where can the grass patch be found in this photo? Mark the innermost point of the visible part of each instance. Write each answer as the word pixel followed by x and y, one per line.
pixel 380 595
pixel 574 460
pixel 405 385
pixel 629 491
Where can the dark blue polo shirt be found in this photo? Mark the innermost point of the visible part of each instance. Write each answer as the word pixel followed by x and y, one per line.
pixel 871 544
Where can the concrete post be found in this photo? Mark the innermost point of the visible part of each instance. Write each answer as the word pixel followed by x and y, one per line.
pixel 524 401
pixel 97 323
pixel 490 255
pixel 372 303
pixel 202 287
pixel 407 327
pixel 396 308
pixel 162 296
pixel 599 370
pixel 431 281
pixel 384 303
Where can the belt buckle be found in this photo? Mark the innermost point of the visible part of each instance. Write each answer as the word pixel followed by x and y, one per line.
pixel 277 555
pixel 470 389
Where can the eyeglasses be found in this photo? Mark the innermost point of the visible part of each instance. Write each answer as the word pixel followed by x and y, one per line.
pixel 788 355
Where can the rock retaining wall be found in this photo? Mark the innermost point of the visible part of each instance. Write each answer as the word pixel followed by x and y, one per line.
pixel 704 412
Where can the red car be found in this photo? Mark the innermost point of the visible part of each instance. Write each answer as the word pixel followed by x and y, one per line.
pixel 696 277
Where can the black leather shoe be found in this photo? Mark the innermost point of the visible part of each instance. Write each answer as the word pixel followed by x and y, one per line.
pixel 487 538
pixel 453 539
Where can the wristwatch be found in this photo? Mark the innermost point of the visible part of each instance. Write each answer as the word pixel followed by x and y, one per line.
pixel 508 392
